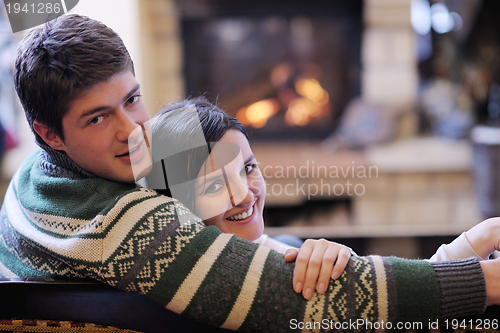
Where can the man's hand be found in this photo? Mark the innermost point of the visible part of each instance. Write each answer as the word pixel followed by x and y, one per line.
pixel 316 262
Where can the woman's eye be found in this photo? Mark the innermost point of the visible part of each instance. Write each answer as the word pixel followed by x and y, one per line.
pixel 248 169
pixel 214 187
pixel 96 120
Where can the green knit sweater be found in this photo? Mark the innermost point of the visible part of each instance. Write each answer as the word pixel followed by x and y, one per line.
pixel 57 220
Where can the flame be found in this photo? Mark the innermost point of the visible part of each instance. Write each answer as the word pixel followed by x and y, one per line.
pixel 313 104
pixel 310 88
pixel 257 114
pixel 308 102
pixel 281 74
pixel 241 116
pixel 300 110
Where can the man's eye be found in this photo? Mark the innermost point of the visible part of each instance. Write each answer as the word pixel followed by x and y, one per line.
pixel 96 120
pixel 133 99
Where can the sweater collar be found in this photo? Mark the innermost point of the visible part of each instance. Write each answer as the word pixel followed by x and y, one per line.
pixel 57 164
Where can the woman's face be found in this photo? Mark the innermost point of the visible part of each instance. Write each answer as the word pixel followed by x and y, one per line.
pixel 232 197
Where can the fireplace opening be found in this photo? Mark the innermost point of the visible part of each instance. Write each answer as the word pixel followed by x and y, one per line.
pixel 285 69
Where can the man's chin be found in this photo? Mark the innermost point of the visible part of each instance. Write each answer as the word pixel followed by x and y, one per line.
pixel 119 177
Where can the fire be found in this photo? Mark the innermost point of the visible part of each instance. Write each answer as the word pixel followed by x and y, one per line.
pixel 257 114
pixel 304 101
pixel 310 88
pixel 313 104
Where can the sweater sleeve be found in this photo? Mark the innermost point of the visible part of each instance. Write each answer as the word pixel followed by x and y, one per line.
pixel 236 284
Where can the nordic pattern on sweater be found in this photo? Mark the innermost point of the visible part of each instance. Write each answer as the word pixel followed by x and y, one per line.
pixel 137 240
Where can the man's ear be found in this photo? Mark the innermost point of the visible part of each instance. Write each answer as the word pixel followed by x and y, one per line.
pixel 48 135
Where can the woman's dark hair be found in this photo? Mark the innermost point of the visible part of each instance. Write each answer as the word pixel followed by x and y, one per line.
pixel 58 61
pixel 174 132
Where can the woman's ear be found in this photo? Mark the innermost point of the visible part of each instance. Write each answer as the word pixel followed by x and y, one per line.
pixel 48 135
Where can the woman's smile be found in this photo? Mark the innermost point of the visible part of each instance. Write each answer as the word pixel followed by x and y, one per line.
pixel 242 216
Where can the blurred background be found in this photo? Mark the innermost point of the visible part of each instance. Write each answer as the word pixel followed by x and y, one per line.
pixel 368 117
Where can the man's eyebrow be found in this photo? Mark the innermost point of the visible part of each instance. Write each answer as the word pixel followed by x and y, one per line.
pixel 105 107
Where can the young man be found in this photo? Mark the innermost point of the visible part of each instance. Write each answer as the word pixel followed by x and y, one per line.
pixel 73 210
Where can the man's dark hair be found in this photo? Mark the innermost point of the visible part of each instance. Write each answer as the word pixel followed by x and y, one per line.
pixel 59 61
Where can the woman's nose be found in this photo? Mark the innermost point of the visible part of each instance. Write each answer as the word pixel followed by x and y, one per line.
pixel 240 192
pixel 248 199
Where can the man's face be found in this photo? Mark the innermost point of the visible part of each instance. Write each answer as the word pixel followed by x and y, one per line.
pixel 98 125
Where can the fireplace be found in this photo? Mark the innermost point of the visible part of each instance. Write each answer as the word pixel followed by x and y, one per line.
pixel 285 69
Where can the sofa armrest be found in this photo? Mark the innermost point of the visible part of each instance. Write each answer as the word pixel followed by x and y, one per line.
pixel 89 301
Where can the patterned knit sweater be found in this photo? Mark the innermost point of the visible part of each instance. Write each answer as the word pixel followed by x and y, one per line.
pixel 57 220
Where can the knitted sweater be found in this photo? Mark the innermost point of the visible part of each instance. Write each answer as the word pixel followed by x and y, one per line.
pixel 57 220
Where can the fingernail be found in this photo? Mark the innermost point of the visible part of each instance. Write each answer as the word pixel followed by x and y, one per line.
pixel 335 275
pixel 298 287
pixel 322 288
pixel 308 294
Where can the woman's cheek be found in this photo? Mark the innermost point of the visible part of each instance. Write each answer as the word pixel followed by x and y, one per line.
pixel 208 207
pixel 257 184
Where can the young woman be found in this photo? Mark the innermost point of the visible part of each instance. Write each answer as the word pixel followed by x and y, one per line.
pixel 203 158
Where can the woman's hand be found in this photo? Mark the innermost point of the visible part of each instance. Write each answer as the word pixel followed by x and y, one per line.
pixel 485 237
pixel 316 262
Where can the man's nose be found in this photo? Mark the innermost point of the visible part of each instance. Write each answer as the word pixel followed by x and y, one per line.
pixel 126 126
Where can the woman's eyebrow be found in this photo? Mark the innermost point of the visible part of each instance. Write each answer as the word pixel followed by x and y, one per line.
pixel 211 177
pixel 252 157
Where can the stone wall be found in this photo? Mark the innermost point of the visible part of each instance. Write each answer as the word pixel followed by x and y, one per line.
pixel 161 53
pixel 389 75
